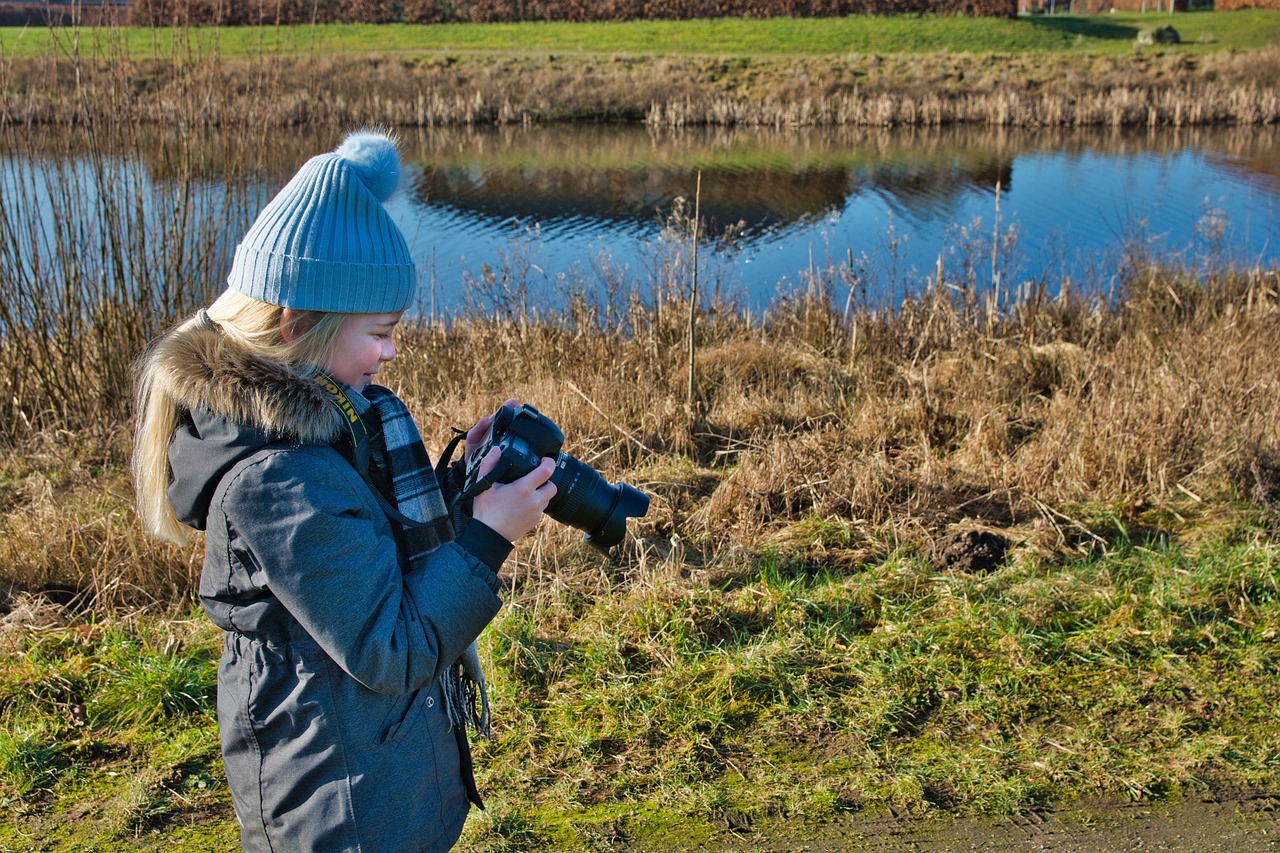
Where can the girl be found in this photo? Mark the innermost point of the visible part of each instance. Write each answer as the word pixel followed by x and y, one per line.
pixel 350 596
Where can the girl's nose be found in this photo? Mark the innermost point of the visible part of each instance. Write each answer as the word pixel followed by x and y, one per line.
pixel 389 351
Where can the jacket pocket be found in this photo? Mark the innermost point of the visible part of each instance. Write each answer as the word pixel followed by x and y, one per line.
pixel 405 716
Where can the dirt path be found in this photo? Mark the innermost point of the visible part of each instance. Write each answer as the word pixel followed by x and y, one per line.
pixel 1248 825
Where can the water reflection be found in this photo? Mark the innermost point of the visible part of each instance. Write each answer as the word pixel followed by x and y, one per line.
pixel 894 201
pixel 763 180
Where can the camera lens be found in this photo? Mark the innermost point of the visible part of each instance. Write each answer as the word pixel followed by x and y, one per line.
pixel 585 501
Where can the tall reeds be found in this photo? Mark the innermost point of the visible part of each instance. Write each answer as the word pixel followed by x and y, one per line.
pixel 280 90
pixel 953 409
pixel 99 249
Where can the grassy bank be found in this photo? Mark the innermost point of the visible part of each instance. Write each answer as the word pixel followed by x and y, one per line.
pixel 973 556
pixel 1201 32
pixel 882 72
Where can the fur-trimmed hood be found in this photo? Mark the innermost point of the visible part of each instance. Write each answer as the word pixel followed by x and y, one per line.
pixel 235 403
pixel 203 369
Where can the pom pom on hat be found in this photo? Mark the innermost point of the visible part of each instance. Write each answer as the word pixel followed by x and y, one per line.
pixel 325 242
pixel 372 154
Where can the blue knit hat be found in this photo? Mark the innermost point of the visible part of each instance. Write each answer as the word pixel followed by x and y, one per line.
pixel 325 242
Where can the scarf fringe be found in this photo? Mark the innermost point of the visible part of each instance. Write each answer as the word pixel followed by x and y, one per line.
pixel 466 700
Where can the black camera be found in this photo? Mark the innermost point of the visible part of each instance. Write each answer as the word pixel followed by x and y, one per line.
pixel 583 499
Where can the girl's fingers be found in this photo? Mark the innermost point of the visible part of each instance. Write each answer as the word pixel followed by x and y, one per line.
pixel 490 460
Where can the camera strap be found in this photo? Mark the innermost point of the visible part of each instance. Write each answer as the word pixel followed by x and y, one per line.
pixel 481 482
pixel 358 440
pixel 469 488
pixel 459 513
pixel 357 430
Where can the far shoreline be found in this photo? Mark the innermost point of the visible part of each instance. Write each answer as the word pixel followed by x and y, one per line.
pixel 491 77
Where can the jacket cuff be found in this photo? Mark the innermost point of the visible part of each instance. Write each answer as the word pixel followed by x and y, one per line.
pixel 488 546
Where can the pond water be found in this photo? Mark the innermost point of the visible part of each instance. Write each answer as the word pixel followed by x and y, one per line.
pixel 890 203
pixel 880 210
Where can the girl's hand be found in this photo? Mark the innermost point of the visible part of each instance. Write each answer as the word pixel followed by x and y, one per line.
pixel 477 433
pixel 513 509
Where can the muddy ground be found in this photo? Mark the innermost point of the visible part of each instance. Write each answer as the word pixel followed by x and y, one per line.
pixel 1248 824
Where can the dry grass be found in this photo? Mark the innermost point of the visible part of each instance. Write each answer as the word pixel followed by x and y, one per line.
pixel 1017 90
pixel 957 410
pixel 934 417
pixel 68 528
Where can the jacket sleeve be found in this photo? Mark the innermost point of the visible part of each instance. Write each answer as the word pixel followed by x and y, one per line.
pixel 309 527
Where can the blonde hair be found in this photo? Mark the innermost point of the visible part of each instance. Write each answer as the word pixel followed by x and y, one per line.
pixel 255 327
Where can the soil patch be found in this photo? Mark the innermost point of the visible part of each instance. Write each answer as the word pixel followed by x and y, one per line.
pixel 1249 824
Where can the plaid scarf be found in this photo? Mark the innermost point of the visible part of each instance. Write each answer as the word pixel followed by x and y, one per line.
pixel 419 517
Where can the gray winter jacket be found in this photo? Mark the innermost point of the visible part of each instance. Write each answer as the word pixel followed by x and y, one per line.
pixel 332 721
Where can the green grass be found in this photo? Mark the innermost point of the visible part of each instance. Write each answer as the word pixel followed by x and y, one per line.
pixel 30 758
pixel 107 733
pixel 139 684
pixel 776 37
pixel 1146 669
pixel 1139 673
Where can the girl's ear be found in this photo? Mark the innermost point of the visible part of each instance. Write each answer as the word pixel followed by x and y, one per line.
pixel 289 327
